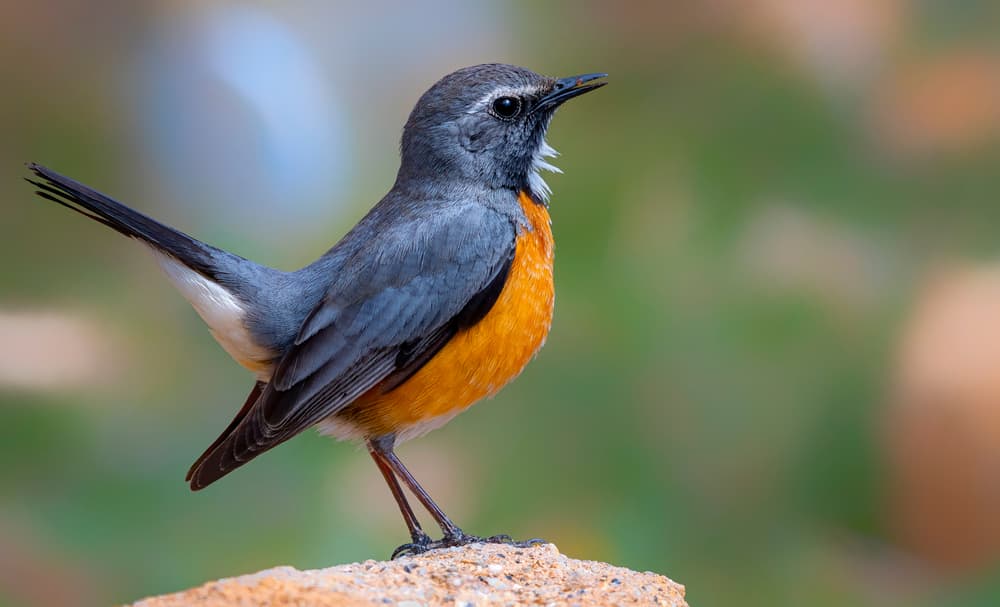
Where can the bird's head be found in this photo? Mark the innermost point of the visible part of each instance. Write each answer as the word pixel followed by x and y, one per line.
pixel 486 125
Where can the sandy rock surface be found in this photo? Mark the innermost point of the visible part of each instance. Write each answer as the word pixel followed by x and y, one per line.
pixel 472 575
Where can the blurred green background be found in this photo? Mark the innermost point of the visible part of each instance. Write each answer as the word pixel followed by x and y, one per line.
pixel 772 372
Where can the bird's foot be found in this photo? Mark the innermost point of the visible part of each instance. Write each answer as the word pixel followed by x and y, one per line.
pixel 423 544
pixel 503 538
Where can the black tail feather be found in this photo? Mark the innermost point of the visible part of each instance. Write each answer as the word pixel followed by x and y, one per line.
pixel 199 463
pixel 103 209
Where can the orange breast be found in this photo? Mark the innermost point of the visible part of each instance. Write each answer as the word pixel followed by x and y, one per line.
pixel 478 361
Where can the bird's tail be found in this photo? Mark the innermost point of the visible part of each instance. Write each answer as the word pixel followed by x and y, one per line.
pixel 74 195
pixel 220 285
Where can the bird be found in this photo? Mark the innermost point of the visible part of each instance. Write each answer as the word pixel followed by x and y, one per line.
pixel 437 298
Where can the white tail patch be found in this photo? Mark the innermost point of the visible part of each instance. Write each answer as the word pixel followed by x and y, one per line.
pixel 222 312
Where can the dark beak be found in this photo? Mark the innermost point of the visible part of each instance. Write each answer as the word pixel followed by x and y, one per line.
pixel 567 88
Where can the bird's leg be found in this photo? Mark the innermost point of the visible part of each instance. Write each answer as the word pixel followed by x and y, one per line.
pixel 417 534
pixel 450 529
pixel 382 452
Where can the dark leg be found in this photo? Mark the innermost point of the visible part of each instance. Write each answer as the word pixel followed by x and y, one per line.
pixel 450 529
pixel 416 532
pixel 382 451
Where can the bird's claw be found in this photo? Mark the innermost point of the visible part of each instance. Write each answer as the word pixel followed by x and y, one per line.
pixel 425 544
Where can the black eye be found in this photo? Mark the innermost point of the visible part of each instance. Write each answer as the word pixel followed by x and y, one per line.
pixel 506 107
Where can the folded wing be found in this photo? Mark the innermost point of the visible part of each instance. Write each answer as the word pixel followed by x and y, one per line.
pixel 395 302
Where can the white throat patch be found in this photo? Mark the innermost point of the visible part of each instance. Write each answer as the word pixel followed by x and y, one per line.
pixel 538 163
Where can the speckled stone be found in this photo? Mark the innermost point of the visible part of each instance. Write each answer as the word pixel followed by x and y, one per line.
pixel 480 574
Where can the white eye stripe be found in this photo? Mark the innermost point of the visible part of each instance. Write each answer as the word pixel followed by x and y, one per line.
pixel 504 91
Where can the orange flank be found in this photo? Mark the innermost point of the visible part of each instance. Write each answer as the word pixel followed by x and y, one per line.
pixel 479 360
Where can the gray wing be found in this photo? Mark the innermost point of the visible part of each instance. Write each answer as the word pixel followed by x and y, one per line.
pixel 397 300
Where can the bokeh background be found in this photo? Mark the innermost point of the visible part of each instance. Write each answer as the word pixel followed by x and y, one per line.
pixel 774 373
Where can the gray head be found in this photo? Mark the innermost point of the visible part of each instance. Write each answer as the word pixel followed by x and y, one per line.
pixel 485 125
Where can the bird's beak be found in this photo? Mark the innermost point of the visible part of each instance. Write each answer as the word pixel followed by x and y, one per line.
pixel 567 88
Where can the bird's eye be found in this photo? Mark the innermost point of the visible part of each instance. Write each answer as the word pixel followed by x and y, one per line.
pixel 506 108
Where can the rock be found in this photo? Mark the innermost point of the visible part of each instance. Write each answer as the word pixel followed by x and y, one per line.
pixel 479 574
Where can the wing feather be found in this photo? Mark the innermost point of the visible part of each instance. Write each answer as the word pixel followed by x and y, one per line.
pixel 405 294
